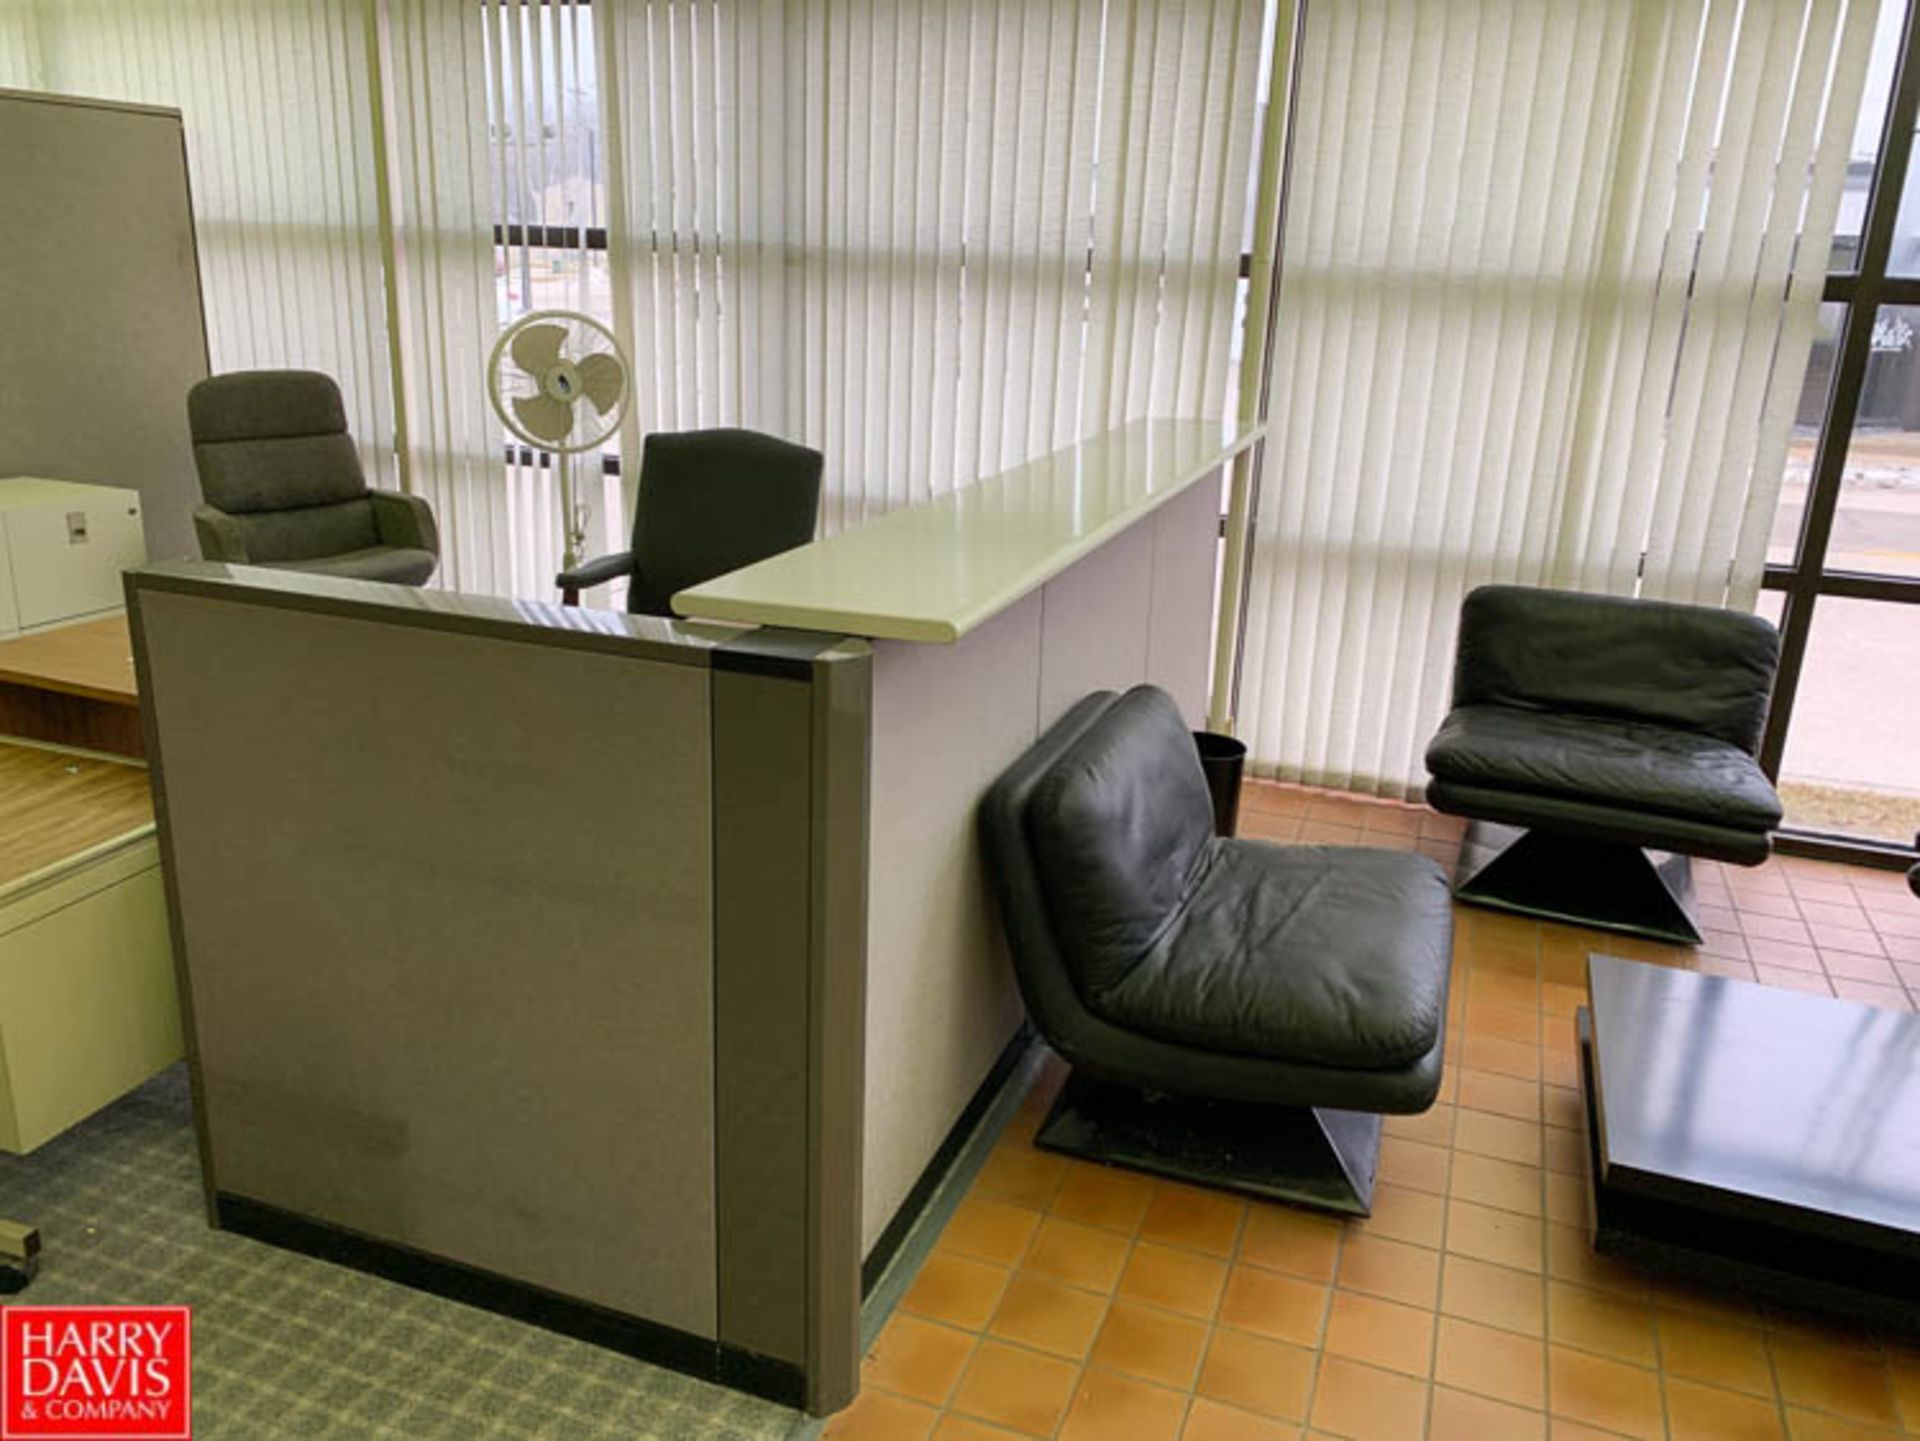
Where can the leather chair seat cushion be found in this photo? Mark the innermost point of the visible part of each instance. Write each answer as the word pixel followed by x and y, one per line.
pixel 1330 956
pixel 1621 764
pixel 395 565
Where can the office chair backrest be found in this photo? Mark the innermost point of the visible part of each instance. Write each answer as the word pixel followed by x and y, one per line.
pixel 273 452
pixel 712 501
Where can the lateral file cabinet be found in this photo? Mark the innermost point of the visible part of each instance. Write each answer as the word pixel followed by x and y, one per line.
pixel 62 548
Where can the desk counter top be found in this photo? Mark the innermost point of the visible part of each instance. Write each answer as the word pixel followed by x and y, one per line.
pixel 934 571
pixel 92 659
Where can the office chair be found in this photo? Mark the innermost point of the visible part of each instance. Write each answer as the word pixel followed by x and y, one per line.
pixel 284 488
pixel 711 501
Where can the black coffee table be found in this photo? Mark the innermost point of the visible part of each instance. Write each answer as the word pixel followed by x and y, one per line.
pixel 1755 1136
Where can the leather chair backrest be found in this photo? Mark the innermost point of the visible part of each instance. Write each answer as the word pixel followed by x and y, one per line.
pixel 1689 667
pixel 1119 829
pixel 712 501
pixel 1038 965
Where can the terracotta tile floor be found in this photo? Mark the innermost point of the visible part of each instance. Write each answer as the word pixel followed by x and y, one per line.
pixel 1076 1301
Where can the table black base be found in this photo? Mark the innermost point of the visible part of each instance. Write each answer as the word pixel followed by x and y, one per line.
pixel 1604 884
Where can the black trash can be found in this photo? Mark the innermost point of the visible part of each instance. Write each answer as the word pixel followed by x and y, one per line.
pixel 1223 759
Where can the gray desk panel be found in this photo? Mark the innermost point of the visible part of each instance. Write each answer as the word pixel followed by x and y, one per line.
pixel 446 907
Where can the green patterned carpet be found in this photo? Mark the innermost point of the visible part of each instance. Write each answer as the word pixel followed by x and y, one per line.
pixel 286 1346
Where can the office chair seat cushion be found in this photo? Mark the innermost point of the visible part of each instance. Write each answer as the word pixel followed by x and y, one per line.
pixel 395 565
pixel 312 532
pixel 1622 764
pixel 1323 955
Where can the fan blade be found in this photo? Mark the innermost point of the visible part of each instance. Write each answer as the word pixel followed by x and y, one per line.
pixel 537 348
pixel 549 419
pixel 603 378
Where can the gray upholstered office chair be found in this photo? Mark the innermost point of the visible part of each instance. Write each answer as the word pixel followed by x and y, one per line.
pixel 1235 1013
pixel 711 501
pixel 283 484
pixel 1586 727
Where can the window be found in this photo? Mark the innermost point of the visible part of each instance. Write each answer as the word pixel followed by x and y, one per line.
pixel 1843 578
pixel 545 133
pixel 544 127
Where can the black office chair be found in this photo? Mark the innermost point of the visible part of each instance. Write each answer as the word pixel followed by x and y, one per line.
pixel 1236 1013
pixel 1585 728
pixel 711 501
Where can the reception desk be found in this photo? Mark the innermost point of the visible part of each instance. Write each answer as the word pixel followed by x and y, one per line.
pixel 628 974
pixel 989 611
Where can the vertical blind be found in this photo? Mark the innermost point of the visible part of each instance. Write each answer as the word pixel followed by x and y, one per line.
pixel 19 47
pixel 548 180
pixel 931 240
pixel 1547 293
pixel 435 99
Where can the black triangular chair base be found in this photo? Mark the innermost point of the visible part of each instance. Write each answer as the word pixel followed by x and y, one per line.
pixel 1605 884
pixel 1302 1155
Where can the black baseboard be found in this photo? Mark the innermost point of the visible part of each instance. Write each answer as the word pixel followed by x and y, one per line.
pixel 895 1235
pixel 779 1381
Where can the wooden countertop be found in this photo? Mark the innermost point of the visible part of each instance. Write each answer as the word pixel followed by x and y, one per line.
pixel 54 805
pixel 92 659
pixel 934 571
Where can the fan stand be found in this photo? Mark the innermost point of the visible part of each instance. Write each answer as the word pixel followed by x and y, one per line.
pixel 573 532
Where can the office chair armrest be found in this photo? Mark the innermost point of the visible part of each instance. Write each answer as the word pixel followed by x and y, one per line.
pixel 221 537
pixel 590 573
pixel 405 521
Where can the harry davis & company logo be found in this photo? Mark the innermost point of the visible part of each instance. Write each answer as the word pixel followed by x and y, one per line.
pixel 95 1373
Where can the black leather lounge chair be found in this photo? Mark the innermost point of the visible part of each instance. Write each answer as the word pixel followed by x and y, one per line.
pixel 1602 725
pixel 1235 1013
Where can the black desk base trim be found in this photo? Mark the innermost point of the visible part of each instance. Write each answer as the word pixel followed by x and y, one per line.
pixel 1303 1156
pixel 888 1245
pixel 676 1350
pixel 1797 1266
pixel 1604 884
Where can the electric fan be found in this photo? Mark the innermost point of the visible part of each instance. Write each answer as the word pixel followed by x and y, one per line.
pixel 542 367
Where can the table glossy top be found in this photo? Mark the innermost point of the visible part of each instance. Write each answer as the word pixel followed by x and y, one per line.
pixel 1721 1086
pixel 934 571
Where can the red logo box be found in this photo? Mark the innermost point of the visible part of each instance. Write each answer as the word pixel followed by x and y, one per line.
pixel 96 1373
